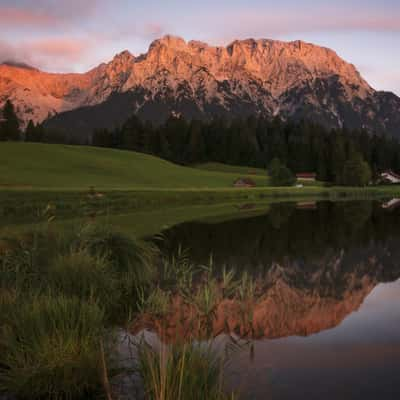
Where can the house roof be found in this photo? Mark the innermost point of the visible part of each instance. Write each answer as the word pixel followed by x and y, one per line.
pixel 389 172
pixel 245 181
pixel 306 175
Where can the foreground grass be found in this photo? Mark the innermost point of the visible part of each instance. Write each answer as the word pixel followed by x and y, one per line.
pixel 181 372
pixel 50 347
pixel 62 293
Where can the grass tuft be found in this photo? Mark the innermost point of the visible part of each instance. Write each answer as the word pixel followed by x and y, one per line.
pixel 50 349
pixel 181 372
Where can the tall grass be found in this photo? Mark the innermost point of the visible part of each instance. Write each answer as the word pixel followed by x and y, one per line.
pixel 60 293
pixel 181 372
pixel 80 274
pixel 50 349
pixel 123 251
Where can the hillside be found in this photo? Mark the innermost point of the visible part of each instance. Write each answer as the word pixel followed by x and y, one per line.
pixel 294 80
pixel 31 165
pixel 234 169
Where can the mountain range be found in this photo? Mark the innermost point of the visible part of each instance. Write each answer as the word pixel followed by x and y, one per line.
pixel 292 80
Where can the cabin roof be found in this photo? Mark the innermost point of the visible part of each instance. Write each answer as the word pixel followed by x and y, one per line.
pixel 389 172
pixel 306 175
pixel 244 181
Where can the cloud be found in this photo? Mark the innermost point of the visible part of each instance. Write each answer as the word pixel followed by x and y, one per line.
pixel 25 14
pixel 49 54
pixel 247 23
pixel 71 49
pixel 152 30
pixel 17 17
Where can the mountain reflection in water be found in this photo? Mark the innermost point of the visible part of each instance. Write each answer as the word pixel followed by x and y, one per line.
pixel 327 321
pixel 315 266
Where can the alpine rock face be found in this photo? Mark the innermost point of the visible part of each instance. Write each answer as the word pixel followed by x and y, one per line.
pixel 250 77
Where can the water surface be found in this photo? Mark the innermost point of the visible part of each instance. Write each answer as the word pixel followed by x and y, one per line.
pixel 327 325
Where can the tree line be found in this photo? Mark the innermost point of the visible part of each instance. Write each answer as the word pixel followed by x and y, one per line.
pixel 302 146
pixel 339 156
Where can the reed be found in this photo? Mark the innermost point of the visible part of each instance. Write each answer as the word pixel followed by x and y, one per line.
pixel 181 372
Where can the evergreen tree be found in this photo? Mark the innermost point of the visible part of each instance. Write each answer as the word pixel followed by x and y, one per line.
pixel 9 124
pixel 356 172
pixel 30 132
pixel 34 133
pixel 196 147
pixel 280 175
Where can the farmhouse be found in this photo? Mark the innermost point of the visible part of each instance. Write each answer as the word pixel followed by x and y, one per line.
pixel 390 177
pixel 392 204
pixel 244 182
pixel 307 176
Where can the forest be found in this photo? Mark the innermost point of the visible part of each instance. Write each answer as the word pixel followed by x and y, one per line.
pixel 302 146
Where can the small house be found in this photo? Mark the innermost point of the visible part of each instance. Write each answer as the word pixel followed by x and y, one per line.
pixel 307 176
pixel 390 177
pixel 392 204
pixel 244 182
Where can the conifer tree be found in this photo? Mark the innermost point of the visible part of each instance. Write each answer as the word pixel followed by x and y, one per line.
pixel 9 123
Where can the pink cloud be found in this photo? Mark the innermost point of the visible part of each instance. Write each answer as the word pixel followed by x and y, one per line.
pixel 153 30
pixel 44 13
pixel 23 18
pixel 71 49
pixel 247 23
pixel 59 54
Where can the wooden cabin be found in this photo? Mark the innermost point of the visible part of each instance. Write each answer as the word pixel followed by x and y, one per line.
pixel 390 177
pixel 244 182
pixel 307 176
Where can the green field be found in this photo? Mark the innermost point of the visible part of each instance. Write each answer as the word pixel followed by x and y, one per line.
pixel 252 172
pixel 46 166
pixel 132 180
pixel 232 169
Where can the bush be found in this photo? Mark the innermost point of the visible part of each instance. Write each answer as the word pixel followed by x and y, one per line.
pixel 356 171
pixel 280 175
pixel 50 349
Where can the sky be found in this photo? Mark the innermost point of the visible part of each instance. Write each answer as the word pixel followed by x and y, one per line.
pixel 76 35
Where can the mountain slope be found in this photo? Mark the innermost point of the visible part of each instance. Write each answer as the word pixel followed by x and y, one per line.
pixel 290 79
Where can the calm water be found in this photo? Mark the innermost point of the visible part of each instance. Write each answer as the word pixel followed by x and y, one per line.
pixel 329 324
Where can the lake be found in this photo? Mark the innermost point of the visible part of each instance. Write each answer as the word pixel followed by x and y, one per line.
pixel 327 323
pixel 319 316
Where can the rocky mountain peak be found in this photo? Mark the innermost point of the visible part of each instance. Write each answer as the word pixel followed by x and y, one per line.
pixel 252 76
pixel 124 57
pixel 170 41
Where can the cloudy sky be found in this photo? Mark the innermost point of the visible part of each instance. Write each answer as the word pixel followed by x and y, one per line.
pixel 75 35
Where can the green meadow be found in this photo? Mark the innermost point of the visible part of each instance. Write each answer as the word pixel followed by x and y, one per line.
pixel 47 166
pixel 231 169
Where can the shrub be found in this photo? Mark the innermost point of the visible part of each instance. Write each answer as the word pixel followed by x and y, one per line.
pixel 356 171
pixel 280 175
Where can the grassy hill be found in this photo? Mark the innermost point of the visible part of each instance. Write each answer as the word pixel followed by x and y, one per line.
pixel 49 166
pixel 234 169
